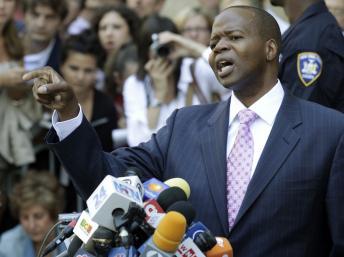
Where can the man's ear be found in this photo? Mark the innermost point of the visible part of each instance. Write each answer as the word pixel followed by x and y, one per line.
pixel 271 50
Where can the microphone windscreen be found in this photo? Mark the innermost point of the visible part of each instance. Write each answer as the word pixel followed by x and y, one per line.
pixel 169 196
pixel 181 183
pixel 184 208
pixel 170 232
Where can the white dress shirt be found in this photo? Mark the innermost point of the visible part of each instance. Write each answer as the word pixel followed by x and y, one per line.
pixel 266 108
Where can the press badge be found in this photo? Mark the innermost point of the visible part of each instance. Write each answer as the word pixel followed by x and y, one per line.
pixel 309 66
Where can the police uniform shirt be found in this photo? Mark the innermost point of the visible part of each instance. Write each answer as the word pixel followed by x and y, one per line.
pixel 312 58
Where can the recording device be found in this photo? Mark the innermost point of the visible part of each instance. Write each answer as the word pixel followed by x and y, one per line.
pixel 154 212
pixel 85 227
pixel 152 188
pixel 166 237
pixel 161 50
pixel 132 177
pixel 111 195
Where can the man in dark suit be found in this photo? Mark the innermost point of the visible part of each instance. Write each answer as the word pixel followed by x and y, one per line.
pixel 289 200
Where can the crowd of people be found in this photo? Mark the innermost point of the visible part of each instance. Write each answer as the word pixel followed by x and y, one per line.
pixel 130 68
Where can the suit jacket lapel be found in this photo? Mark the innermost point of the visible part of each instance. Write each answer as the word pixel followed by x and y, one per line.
pixel 213 140
pixel 281 142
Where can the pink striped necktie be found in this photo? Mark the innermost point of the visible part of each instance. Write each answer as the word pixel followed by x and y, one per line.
pixel 239 164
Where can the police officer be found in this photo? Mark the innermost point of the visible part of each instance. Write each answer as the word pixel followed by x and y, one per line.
pixel 312 57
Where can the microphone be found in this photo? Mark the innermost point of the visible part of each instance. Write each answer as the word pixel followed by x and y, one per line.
pixel 184 208
pixel 152 188
pixel 181 183
pixel 188 249
pixel 103 239
pixel 169 196
pixel 222 248
pixel 74 246
pixel 195 229
pixel 66 232
pixel 205 241
pixel 132 177
pixel 155 208
pixel 154 212
pixel 166 237
pixel 111 195
pixel 85 227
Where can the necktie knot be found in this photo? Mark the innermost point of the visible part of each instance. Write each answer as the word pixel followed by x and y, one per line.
pixel 247 117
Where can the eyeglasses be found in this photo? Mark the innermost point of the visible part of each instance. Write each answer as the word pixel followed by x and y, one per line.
pixel 195 29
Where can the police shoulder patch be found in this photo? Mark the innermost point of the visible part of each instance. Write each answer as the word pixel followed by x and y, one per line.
pixel 309 66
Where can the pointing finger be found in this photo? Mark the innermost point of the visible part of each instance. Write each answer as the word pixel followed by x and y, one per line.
pixel 52 88
pixel 41 73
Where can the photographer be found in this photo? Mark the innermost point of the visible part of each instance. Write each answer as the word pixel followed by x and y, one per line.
pixel 165 80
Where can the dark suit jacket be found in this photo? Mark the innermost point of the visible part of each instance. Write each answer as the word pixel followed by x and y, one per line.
pixel 315 31
pixel 294 205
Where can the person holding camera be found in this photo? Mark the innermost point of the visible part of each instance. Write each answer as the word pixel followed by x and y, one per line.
pixel 165 80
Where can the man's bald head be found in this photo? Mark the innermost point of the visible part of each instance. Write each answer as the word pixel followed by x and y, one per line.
pixel 263 22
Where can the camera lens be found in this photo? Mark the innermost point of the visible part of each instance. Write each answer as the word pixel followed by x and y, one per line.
pixel 163 50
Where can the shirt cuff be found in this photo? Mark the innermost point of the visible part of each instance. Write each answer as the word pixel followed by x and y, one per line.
pixel 65 128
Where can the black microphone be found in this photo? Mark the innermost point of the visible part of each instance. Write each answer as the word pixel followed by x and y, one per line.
pixel 169 196
pixel 66 232
pixel 184 208
pixel 103 240
pixel 205 241
pixel 74 245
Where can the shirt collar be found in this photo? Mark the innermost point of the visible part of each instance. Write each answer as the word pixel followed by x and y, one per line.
pixel 266 107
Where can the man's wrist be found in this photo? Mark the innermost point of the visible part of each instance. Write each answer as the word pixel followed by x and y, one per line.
pixel 68 113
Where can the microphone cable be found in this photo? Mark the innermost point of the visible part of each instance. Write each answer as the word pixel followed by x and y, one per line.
pixel 47 236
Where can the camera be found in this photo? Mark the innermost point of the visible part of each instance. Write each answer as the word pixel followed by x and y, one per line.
pixel 161 50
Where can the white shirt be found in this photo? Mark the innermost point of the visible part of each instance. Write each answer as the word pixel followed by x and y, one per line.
pixel 78 25
pixel 138 94
pixel 266 108
pixel 40 59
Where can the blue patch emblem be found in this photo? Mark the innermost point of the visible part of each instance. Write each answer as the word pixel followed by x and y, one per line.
pixel 309 66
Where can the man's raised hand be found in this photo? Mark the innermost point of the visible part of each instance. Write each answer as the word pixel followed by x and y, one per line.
pixel 52 91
